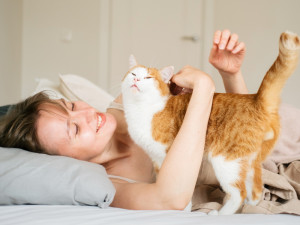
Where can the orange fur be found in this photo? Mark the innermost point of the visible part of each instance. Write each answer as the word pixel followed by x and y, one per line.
pixel 240 184
pixel 238 123
pixel 257 179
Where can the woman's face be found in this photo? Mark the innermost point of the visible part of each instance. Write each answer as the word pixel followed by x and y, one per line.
pixel 82 133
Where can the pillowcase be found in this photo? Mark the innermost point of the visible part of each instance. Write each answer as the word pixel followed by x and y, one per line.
pixel 33 178
pixel 77 88
pixel 51 88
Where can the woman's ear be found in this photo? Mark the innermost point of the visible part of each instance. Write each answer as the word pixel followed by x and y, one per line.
pixel 132 62
pixel 167 73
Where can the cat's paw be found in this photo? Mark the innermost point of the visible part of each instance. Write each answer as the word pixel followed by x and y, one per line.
pixel 251 202
pixel 289 41
pixel 213 213
pixel 254 198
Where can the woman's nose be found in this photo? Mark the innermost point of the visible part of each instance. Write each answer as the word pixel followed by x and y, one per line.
pixel 87 114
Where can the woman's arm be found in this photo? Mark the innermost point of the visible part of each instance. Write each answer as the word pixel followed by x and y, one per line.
pixel 234 83
pixel 227 56
pixel 175 183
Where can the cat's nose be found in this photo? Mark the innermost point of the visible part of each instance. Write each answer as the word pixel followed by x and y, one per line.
pixel 136 79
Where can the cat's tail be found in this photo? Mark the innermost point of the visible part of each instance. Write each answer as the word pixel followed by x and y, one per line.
pixel 283 67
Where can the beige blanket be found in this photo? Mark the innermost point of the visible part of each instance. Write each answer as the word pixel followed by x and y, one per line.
pixel 281 174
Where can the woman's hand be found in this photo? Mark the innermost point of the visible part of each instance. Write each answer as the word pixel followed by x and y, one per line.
pixel 190 78
pixel 227 53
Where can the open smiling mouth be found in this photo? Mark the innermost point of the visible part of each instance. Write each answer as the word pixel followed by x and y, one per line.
pixel 101 119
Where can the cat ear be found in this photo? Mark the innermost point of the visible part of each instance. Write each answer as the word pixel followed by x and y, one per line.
pixel 132 61
pixel 167 73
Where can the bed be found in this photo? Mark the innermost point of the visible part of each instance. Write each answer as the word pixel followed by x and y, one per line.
pixel 29 182
pixel 88 215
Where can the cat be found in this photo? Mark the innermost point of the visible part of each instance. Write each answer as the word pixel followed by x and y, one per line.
pixel 242 129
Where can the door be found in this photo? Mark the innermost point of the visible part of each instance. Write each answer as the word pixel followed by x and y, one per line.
pixel 158 32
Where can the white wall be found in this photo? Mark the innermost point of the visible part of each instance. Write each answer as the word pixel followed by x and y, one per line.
pixel 10 50
pixel 45 54
pixel 259 24
pixel 31 44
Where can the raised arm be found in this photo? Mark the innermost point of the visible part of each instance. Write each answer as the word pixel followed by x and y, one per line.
pixel 227 56
pixel 175 183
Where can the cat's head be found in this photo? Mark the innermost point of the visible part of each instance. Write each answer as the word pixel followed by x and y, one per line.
pixel 141 80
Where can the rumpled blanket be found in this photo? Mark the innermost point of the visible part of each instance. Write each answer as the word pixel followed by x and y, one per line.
pixel 281 174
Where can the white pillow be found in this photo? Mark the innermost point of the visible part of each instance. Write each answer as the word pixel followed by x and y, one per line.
pixel 51 88
pixel 77 88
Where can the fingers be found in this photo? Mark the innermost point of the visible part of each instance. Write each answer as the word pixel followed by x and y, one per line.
pixel 186 90
pixel 232 41
pixel 240 47
pixel 187 77
pixel 217 37
pixel 225 40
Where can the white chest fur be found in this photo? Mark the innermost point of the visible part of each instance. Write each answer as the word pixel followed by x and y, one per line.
pixel 139 111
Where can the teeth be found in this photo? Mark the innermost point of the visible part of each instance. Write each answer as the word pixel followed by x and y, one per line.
pixel 99 122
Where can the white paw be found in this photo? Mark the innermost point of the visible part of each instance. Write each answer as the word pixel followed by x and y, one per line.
pixel 252 202
pixel 290 40
pixel 213 212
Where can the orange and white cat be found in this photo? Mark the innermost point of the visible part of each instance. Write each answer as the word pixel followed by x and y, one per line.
pixel 242 129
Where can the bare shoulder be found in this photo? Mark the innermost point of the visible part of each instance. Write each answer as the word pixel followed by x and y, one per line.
pixel 119 99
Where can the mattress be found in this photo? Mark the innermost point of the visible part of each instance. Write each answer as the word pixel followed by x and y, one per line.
pixel 88 215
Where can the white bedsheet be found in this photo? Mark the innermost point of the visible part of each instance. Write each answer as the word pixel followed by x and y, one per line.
pixel 87 215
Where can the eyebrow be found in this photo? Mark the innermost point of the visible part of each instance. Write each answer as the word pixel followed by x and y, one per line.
pixel 68 120
pixel 64 102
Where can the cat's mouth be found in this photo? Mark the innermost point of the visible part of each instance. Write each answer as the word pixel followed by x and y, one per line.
pixel 135 86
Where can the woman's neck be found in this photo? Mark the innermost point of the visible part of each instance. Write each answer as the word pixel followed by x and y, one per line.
pixel 117 148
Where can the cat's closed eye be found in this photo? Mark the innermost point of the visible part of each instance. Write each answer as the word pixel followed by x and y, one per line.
pixel 148 77
pixel 133 74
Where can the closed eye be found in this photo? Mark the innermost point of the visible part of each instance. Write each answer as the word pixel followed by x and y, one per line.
pixel 76 125
pixel 148 77
pixel 133 74
pixel 76 129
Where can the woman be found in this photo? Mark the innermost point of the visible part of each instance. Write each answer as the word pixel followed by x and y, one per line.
pixel 77 130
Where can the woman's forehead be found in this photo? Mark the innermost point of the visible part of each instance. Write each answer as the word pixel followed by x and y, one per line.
pixel 55 107
pixel 52 128
pixel 52 117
